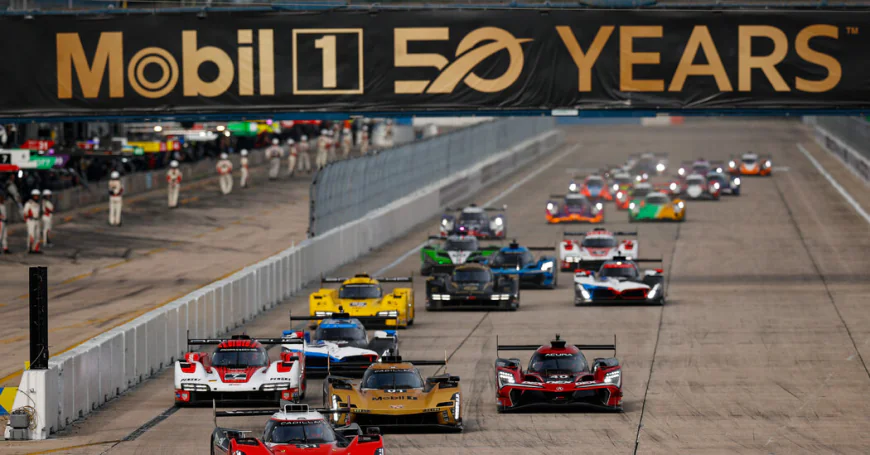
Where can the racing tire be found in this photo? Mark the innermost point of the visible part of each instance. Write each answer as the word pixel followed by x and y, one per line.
pixel 211 445
pixel 631 219
pixel 555 283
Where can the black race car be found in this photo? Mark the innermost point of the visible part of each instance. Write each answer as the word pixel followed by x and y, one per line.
pixel 473 286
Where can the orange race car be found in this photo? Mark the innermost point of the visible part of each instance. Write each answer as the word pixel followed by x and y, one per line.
pixel 751 164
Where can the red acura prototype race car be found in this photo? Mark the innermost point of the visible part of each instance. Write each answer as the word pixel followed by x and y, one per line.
pixel 240 370
pixel 295 429
pixel 558 375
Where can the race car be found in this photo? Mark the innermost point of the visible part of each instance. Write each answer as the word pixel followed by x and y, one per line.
pixel 363 296
pixel 294 429
pixel 558 375
pixel 473 220
pixel 393 394
pixel 751 164
pixel 728 183
pixel 696 187
pixel 535 272
pixel 700 166
pixel 656 206
pixel 598 245
pixel 573 208
pixel 595 189
pixel 340 344
pixel 455 250
pixel 620 280
pixel 473 286
pixel 239 370
pixel 647 164
pixel 637 191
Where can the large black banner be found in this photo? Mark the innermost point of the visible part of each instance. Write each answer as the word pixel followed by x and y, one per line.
pixel 433 60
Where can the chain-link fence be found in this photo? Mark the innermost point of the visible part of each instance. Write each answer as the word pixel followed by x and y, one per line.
pixel 347 190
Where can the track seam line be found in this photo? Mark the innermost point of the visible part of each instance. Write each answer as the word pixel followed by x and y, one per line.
pixel 820 274
pixel 477 326
pixel 656 347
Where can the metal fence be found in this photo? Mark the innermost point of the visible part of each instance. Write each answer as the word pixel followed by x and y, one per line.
pixel 854 131
pixel 347 190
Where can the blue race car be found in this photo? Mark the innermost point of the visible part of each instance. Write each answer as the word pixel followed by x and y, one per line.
pixel 341 345
pixel 728 183
pixel 533 272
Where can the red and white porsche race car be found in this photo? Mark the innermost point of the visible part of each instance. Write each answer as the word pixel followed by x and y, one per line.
pixel 240 370
pixel 295 429
pixel 597 246
pixel 558 375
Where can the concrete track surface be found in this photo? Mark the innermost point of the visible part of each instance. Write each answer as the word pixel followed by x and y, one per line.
pixel 102 276
pixel 760 349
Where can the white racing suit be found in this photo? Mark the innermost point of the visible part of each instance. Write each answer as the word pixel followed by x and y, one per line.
pixel 346 144
pixel 274 155
pixel 4 235
pixel 244 180
pixel 364 143
pixel 47 218
pixel 292 153
pixel 225 170
pixel 304 157
pixel 173 185
pixel 116 202
pixel 322 151
pixel 32 215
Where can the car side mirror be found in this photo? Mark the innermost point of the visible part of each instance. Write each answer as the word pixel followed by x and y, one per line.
pixel 373 430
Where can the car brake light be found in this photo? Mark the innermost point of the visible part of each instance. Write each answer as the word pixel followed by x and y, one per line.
pixel 187 367
pixel 659 271
pixel 569 246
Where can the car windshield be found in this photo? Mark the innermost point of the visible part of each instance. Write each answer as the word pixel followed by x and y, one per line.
pixel 511 259
pixel 618 270
pixel 599 242
pixel 359 291
pixel 472 217
pixel 299 431
pixel 639 192
pixel 542 363
pixel 700 168
pixel 392 379
pixel 330 332
pixel 240 357
pixel 595 181
pixel 657 199
pixel 576 201
pixel 471 275
pixel 698 180
pixel 469 244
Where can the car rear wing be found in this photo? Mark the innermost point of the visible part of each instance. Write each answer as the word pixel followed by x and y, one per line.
pixel 342 315
pixel 486 209
pixel 555 344
pixel 269 341
pixel 583 234
pixel 382 279
pixel 623 258
pixel 287 408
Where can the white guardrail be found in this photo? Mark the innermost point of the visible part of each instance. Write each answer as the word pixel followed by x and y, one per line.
pixel 79 381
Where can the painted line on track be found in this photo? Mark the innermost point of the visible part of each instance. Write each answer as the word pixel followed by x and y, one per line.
pixel 848 197
pixel 497 198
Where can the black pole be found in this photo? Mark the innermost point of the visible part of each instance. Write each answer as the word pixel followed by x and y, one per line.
pixel 39 318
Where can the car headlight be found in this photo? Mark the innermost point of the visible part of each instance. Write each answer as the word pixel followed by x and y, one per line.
pixel 583 292
pixel 653 292
pixel 638 178
pixel 238 452
pixel 737 181
pixel 716 185
pixel 719 169
pixel 614 377
pixel 631 206
pixel 620 195
pixel 599 206
pixel 499 221
pixel 681 171
pixel 321 314
pixel 547 266
pixel 615 187
pixel 674 186
pixel 681 205
pixel 505 378
pixel 572 187
pixel 389 314
pixel 732 164
pixel 767 163
pixel 444 222
pixel 456 401
pixel 660 167
pixel 550 206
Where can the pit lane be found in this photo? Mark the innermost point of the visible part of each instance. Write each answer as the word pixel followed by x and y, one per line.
pixel 758 350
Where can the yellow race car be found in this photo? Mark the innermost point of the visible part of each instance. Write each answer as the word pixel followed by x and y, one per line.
pixel 393 394
pixel 362 296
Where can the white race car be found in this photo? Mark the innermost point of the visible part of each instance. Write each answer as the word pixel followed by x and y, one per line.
pixel 620 281
pixel 240 370
pixel 598 245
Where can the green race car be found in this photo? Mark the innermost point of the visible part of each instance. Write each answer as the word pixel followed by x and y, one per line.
pixel 454 250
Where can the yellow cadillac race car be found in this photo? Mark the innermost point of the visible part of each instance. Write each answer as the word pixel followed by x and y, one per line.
pixel 393 394
pixel 362 296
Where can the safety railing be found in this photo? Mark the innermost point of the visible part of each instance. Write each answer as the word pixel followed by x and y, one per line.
pixel 347 190
pixel 848 138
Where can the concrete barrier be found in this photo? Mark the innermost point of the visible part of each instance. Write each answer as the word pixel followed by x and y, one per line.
pixel 84 378
pixel 855 160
